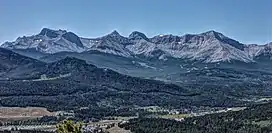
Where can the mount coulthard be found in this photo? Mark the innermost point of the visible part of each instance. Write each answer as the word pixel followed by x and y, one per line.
pixel 208 47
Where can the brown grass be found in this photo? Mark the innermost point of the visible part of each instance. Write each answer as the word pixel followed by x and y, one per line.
pixel 17 112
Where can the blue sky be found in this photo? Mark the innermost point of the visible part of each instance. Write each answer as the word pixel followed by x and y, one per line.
pixel 249 21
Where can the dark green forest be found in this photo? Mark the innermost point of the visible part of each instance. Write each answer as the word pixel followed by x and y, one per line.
pixel 255 119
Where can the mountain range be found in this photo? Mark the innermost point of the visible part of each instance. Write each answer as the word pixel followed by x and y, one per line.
pixel 207 47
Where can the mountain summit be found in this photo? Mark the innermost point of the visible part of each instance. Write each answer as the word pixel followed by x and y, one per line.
pixel 48 41
pixel 136 35
pixel 114 33
pixel 210 46
pixel 51 33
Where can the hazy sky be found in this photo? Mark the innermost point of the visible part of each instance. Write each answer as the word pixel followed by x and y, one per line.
pixel 248 21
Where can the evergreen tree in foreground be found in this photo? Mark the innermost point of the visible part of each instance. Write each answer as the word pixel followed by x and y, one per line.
pixel 69 126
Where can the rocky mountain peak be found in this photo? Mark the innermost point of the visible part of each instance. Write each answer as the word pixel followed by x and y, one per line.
pixel 51 33
pixel 223 39
pixel 115 38
pixel 114 33
pixel 211 33
pixel 136 35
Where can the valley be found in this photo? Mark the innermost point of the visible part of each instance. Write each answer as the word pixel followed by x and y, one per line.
pixel 56 75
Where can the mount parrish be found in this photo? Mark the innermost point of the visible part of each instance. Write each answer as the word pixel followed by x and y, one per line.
pixel 208 47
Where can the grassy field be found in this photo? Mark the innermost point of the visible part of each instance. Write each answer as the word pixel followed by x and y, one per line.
pixel 18 113
pixel 23 112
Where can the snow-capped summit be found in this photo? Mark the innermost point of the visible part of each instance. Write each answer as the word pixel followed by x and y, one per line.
pixel 48 41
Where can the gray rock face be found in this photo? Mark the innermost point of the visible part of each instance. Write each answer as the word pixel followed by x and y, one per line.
pixel 70 36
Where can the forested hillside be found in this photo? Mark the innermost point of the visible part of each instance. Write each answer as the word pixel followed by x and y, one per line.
pixel 255 119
